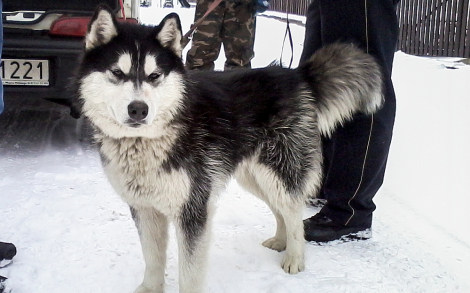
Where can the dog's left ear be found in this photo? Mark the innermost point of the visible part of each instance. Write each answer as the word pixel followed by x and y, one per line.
pixel 102 28
pixel 170 34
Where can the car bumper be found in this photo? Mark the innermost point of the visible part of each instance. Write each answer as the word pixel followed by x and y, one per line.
pixel 62 55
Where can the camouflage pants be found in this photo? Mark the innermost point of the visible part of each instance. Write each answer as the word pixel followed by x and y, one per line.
pixel 232 24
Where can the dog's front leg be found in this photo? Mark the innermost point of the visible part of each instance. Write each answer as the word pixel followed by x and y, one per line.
pixel 193 233
pixel 153 231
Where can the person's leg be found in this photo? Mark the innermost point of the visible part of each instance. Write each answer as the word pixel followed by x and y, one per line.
pixel 238 34
pixel 313 39
pixel 7 250
pixel 206 40
pixel 1 47
pixel 356 154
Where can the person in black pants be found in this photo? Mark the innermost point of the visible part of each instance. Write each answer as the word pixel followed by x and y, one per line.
pixel 356 154
pixel 7 250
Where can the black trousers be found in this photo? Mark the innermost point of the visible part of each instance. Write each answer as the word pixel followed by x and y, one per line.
pixel 356 155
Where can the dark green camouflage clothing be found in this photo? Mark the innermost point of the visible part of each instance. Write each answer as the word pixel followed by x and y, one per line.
pixel 232 24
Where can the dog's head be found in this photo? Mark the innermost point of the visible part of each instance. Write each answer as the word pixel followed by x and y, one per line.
pixel 131 79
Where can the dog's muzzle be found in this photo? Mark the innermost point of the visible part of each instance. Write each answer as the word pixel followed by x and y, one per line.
pixel 137 112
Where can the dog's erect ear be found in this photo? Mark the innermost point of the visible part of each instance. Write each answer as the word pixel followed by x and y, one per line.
pixel 170 34
pixel 102 28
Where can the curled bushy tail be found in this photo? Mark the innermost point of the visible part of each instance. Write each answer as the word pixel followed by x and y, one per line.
pixel 343 80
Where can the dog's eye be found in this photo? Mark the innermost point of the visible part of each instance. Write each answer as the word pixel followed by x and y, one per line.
pixel 118 73
pixel 153 76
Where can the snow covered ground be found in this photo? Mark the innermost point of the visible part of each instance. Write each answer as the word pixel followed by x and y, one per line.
pixel 74 234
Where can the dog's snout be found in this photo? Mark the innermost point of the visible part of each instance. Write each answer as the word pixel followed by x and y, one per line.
pixel 138 111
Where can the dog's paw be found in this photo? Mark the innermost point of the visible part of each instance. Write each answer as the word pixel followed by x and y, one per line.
pixel 143 289
pixel 293 264
pixel 275 244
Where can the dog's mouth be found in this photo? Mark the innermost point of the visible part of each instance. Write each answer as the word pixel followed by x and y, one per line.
pixel 135 124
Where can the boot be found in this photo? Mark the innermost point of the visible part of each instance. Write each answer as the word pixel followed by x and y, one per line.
pixel 7 252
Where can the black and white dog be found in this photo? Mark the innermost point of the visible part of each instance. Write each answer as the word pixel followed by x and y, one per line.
pixel 170 140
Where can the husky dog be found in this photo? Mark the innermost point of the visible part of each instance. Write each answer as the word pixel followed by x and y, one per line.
pixel 170 140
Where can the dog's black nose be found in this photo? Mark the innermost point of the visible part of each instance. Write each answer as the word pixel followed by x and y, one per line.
pixel 138 110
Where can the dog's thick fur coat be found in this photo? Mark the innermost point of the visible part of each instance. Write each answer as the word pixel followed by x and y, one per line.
pixel 170 140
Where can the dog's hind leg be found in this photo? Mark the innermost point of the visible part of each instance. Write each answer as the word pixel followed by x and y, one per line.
pixel 293 261
pixel 248 181
pixel 287 210
pixel 193 234
pixel 279 241
pixel 289 234
pixel 153 231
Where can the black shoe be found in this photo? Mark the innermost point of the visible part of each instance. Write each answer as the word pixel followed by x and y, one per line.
pixel 320 228
pixel 2 283
pixel 7 252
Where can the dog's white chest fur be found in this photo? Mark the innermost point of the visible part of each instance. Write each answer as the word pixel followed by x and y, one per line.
pixel 134 168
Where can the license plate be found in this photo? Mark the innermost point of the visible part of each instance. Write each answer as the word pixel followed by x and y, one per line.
pixel 25 72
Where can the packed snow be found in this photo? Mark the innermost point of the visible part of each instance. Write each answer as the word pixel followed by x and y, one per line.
pixel 74 234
